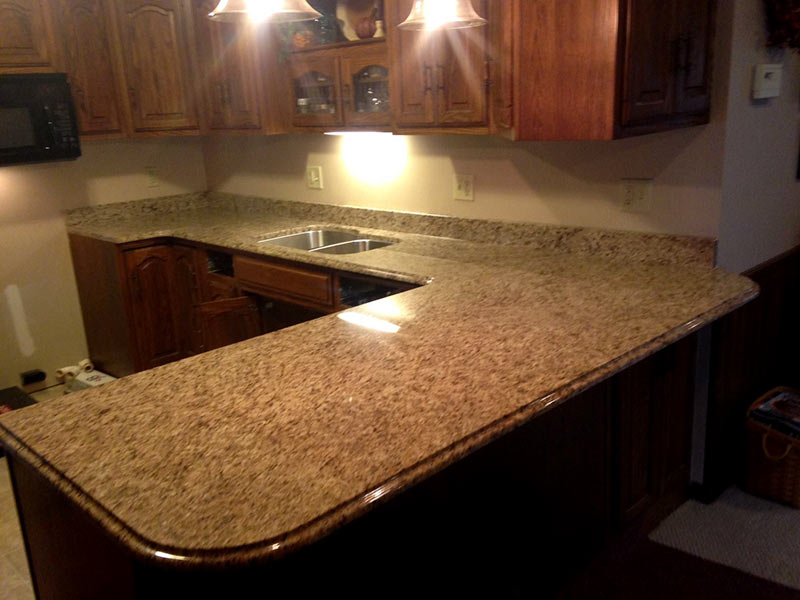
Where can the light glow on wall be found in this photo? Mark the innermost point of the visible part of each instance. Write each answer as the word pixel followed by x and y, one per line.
pixel 374 158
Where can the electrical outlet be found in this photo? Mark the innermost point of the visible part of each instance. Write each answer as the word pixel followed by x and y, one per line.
pixel 637 195
pixel 464 187
pixel 314 178
pixel 152 177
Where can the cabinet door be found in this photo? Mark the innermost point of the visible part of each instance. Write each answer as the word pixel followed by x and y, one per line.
pixel 316 90
pixel 26 38
pixel 150 279
pixel 185 297
pixel 501 52
pixel 648 78
pixel 226 322
pixel 673 389
pixel 635 432
pixel 696 23
pixel 461 89
pixel 85 28
pixel 412 70
pixel 365 88
pixel 155 38
pixel 228 64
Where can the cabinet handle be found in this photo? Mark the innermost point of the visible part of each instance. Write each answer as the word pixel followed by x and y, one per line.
pixel 346 95
pixel 681 52
pixel 428 76
pixel 440 77
pixel 221 94
pixel 688 40
pixel 228 94
pixel 133 96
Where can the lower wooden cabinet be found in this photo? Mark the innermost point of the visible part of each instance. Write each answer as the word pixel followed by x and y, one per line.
pixel 149 303
pixel 225 322
pixel 652 406
pixel 153 297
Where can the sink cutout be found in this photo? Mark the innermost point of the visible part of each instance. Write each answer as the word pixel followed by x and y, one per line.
pixel 326 241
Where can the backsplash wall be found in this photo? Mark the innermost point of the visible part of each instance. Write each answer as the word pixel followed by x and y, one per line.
pixel 565 183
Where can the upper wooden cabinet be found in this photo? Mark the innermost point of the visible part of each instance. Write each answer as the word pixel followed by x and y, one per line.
pixel 85 34
pixel 229 71
pixel 599 69
pixel 27 42
pixel 156 43
pixel 439 79
pixel 342 87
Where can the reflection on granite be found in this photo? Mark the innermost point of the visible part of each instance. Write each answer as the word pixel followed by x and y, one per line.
pixel 261 447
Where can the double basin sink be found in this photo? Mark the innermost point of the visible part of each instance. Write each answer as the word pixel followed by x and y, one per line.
pixel 326 241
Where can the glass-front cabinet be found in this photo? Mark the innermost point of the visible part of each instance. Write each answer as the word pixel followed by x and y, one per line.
pixel 365 89
pixel 339 66
pixel 317 91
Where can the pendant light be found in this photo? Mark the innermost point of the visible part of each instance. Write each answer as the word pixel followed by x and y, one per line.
pixel 442 14
pixel 259 11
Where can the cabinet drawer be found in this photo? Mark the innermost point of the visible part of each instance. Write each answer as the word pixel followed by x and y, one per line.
pixel 284 279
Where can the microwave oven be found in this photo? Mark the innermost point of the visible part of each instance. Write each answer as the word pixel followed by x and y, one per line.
pixel 37 119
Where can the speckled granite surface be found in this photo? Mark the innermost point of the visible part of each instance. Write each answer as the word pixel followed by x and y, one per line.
pixel 255 449
pixel 125 221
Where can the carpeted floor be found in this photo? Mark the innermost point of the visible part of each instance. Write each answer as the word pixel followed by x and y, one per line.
pixel 638 569
pixel 740 531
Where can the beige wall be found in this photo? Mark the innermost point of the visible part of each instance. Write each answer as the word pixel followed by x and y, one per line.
pixel 761 195
pixel 561 183
pixel 34 254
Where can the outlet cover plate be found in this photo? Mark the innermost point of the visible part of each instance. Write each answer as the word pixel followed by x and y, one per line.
pixel 464 187
pixel 314 178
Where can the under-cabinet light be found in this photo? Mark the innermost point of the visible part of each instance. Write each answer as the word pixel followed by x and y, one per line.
pixel 374 158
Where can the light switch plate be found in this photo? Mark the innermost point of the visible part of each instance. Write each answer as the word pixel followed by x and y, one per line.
pixel 314 178
pixel 767 80
pixel 637 195
pixel 152 177
pixel 464 187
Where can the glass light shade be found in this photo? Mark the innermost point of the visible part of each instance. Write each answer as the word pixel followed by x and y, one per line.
pixel 274 11
pixel 444 14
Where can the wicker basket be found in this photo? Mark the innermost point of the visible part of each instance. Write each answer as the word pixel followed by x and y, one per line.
pixel 773 458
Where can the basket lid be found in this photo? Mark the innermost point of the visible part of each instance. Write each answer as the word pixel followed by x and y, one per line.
pixel 779 410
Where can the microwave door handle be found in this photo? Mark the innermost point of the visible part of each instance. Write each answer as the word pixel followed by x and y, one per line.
pixel 50 129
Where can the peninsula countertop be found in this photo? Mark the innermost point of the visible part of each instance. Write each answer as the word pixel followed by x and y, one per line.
pixel 255 449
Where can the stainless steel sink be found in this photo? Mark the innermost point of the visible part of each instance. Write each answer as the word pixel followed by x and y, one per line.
pixel 352 247
pixel 309 240
pixel 326 241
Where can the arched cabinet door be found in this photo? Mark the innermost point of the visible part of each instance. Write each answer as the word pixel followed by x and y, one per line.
pixel 152 300
pixel 27 43
pixel 87 48
pixel 365 89
pixel 156 38
pixel 317 93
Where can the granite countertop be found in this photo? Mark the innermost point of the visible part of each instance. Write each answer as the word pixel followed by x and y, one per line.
pixel 250 451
